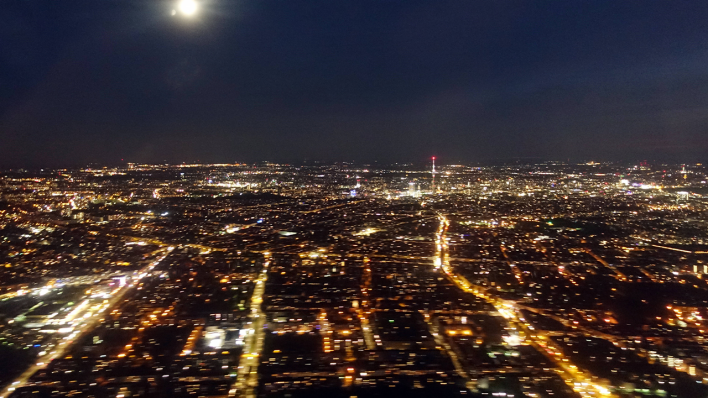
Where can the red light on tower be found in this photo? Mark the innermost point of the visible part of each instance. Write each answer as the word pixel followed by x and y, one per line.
pixel 433 174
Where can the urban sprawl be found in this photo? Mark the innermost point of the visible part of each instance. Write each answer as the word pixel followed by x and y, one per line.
pixel 548 280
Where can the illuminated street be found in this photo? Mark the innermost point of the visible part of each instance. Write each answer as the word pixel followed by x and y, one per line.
pixel 78 322
pixel 574 377
pixel 247 375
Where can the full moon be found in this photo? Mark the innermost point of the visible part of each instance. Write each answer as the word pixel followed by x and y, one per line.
pixel 187 7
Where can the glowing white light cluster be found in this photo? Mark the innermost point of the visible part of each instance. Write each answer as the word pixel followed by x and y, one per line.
pixel 188 7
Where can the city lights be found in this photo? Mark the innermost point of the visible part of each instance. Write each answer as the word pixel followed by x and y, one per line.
pixel 463 287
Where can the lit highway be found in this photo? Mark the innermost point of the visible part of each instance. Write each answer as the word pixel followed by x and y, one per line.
pixel 247 375
pixel 82 319
pixel 580 381
pixel 363 310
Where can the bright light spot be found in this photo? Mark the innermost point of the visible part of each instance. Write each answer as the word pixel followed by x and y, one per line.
pixel 188 7
pixel 512 340
pixel 366 232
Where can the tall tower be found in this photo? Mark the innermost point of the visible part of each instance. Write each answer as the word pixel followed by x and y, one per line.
pixel 433 173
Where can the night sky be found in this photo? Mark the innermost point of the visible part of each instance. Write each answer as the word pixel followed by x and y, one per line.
pixel 388 81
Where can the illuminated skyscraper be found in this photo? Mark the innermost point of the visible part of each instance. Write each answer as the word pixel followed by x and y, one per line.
pixel 433 173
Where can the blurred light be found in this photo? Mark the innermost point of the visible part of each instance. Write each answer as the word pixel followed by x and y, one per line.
pixel 188 7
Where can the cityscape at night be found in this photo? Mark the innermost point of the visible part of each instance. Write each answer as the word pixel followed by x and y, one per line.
pixel 353 199
pixel 279 280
